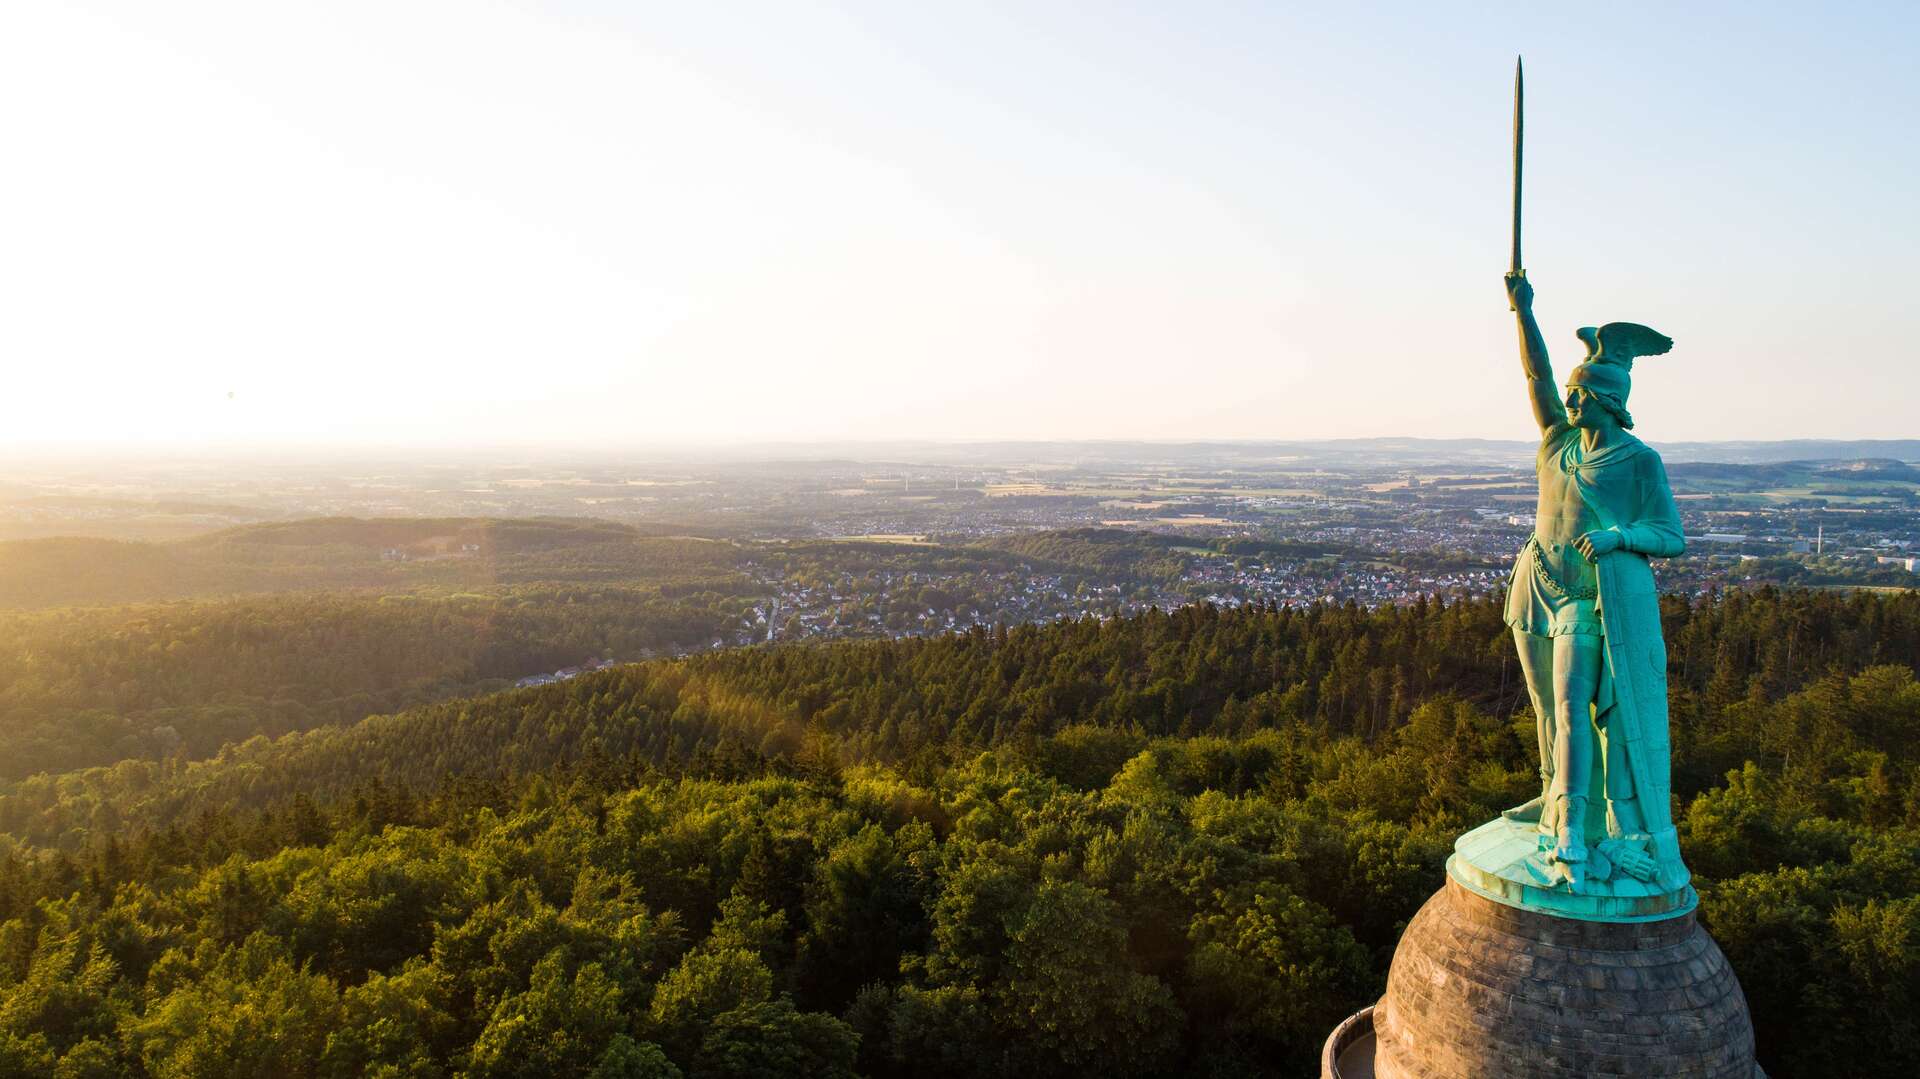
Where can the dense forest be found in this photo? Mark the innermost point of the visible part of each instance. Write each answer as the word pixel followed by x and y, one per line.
pixel 84 687
pixel 1175 844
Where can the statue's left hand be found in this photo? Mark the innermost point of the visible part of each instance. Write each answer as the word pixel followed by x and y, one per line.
pixel 1594 544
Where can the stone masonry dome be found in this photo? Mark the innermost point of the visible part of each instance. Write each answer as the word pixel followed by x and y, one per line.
pixel 1481 990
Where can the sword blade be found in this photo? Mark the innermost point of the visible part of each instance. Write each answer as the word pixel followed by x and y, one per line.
pixel 1519 123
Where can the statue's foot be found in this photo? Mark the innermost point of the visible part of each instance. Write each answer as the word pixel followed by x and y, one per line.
pixel 1568 852
pixel 1527 812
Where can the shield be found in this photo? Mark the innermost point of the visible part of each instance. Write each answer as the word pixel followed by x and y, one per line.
pixel 1636 660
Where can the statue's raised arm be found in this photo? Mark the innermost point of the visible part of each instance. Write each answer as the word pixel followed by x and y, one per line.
pixel 1541 391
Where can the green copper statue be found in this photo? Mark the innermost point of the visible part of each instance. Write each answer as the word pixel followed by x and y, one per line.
pixel 1598 842
pixel 1603 499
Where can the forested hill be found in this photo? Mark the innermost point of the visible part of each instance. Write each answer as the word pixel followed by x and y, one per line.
pixel 1175 844
pixel 1150 555
pixel 95 686
pixel 319 622
pixel 1328 671
pixel 344 553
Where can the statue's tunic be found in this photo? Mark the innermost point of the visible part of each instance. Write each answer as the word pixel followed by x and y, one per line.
pixel 1553 590
pixel 1622 487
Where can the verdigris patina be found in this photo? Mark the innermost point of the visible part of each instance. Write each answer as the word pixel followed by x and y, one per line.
pixel 1519 967
pixel 1598 842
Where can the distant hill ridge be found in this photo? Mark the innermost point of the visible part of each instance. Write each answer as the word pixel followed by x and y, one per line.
pixel 1375 451
pixel 1878 467
pixel 329 553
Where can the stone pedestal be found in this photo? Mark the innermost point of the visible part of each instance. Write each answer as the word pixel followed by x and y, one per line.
pixel 1502 860
pixel 1482 990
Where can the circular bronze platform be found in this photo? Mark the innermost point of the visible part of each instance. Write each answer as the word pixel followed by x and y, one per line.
pixel 1481 990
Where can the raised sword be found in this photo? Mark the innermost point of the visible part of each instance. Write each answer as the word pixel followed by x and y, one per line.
pixel 1519 124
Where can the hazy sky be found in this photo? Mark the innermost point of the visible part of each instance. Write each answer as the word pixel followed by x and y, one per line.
pixel 616 223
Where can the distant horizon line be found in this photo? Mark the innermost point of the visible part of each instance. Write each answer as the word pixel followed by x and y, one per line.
pixel 723 444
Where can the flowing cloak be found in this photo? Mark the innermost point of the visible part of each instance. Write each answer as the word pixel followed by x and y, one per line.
pixel 1626 487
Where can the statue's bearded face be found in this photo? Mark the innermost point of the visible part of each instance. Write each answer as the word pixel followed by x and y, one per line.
pixel 1585 410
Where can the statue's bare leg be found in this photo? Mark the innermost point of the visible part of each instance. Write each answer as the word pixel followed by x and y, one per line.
pixel 1536 668
pixel 1576 678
